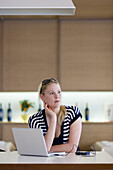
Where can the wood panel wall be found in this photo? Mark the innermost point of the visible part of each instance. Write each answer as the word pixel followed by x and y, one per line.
pixel 0 131
pixel 30 53
pixel 93 8
pixel 76 51
pixel 7 134
pixel 0 55
pixel 93 132
pixel 87 54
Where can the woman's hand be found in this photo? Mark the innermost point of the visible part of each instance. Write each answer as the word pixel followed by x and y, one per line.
pixel 49 111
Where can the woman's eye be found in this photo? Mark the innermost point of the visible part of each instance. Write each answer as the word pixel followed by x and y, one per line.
pixel 51 93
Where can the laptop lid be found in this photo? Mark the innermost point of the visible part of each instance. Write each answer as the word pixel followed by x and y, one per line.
pixel 30 141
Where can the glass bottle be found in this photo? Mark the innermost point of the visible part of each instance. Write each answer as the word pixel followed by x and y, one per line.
pixel 86 112
pixel 9 112
pixel 1 112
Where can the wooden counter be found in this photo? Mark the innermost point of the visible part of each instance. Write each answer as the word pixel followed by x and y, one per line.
pixel 13 161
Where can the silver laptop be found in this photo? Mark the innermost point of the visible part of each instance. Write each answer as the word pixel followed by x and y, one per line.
pixel 31 141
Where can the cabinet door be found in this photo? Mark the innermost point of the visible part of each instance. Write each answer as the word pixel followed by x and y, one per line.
pixel 87 54
pixel 93 132
pixel 93 9
pixel 0 55
pixel 7 134
pixel 0 131
pixel 30 53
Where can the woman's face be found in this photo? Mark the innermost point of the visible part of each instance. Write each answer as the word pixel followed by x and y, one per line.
pixel 53 95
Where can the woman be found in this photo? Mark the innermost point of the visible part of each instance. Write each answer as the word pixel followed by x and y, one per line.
pixel 61 125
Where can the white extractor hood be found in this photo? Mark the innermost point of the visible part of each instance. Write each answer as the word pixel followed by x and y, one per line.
pixel 37 7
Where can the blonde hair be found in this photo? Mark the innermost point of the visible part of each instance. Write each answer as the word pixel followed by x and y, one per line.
pixel 42 87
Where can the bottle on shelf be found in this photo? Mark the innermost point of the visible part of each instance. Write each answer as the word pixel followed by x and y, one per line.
pixel 1 112
pixel 9 112
pixel 86 112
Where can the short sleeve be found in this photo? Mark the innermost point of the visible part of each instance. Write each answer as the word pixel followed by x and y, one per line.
pixel 33 121
pixel 38 121
pixel 74 113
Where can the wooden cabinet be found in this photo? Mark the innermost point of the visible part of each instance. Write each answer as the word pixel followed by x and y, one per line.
pixel 91 132
pixel 95 131
pixel 6 130
pixel 87 54
pixel 93 9
pixel 83 61
pixel 30 53
pixel 0 131
pixel 0 55
pixel 77 50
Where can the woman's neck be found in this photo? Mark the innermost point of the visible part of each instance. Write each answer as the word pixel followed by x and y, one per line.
pixel 56 110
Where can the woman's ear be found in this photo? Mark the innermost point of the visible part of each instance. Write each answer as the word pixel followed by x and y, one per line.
pixel 42 97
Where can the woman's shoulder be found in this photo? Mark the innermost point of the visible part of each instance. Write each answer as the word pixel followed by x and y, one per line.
pixel 37 115
pixel 73 111
pixel 35 118
pixel 70 107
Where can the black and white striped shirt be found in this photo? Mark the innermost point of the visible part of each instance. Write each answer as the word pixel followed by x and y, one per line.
pixel 39 121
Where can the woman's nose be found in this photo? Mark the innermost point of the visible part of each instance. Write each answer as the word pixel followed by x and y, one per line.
pixel 56 95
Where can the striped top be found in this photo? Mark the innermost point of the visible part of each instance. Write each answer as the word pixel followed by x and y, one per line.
pixel 39 121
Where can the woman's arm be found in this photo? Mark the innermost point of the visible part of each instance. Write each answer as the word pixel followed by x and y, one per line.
pixel 74 137
pixel 49 137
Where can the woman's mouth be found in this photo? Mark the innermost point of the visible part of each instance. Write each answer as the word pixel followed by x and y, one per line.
pixel 57 101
